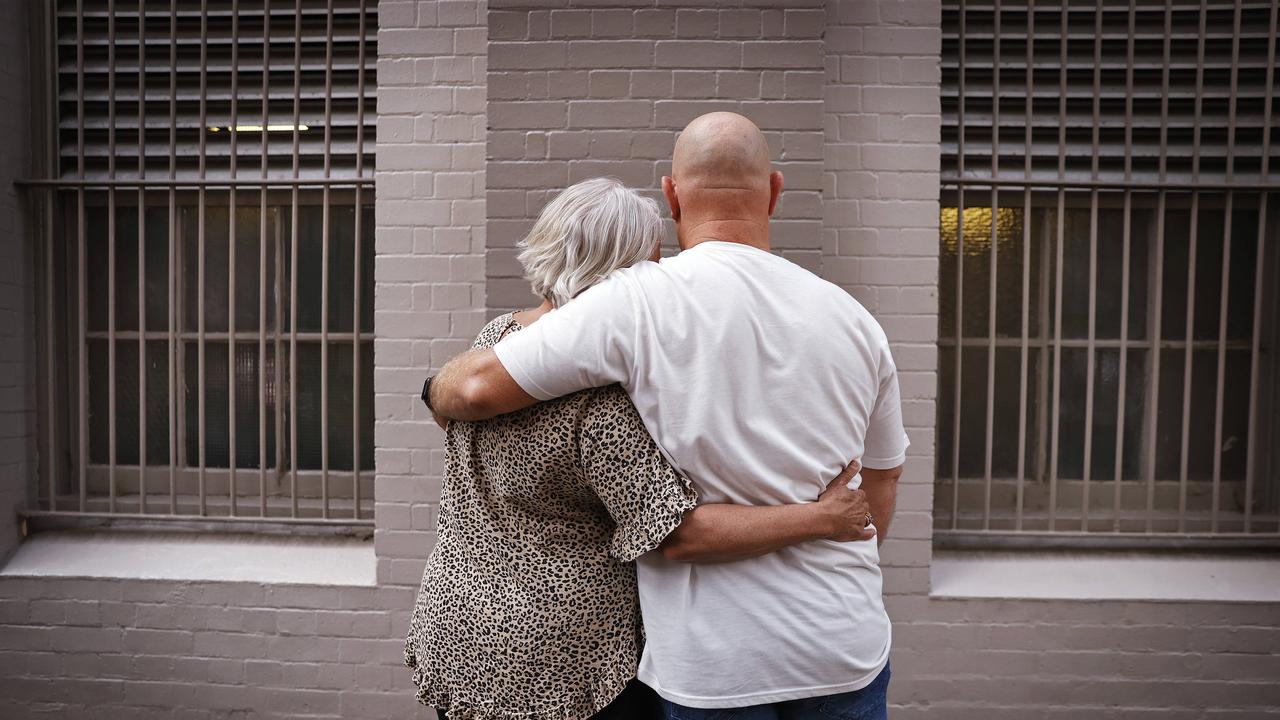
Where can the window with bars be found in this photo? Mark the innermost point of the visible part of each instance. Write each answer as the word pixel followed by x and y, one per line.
pixel 1107 330
pixel 206 247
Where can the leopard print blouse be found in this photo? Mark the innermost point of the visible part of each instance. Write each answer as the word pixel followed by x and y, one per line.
pixel 528 607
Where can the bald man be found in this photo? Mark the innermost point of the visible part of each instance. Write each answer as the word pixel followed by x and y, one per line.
pixel 758 379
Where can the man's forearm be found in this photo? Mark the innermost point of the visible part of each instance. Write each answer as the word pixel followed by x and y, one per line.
pixel 722 532
pixel 881 487
pixel 475 386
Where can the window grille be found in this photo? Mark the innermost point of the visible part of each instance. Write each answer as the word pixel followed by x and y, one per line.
pixel 1107 330
pixel 205 229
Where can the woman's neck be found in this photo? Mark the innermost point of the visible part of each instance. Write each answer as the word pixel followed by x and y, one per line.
pixel 528 317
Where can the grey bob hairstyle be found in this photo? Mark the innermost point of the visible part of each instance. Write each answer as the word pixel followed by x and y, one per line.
pixel 586 232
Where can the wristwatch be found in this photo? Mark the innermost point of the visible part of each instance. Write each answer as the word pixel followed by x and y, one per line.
pixel 426 393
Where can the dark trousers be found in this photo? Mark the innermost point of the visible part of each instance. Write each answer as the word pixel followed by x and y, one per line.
pixel 869 703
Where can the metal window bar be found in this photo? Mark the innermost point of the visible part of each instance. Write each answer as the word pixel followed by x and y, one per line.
pixel 1140 212
pixel 114 63
pixel 1259 262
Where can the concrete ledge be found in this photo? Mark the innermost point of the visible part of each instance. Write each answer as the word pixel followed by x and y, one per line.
pixel 195 556
pixel 1105 576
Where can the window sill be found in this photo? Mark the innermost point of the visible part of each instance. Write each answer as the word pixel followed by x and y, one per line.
pixel 195 557
pixel 1105 576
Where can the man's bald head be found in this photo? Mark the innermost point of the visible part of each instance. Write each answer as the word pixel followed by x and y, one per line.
pixel 721 150
pixel 720 186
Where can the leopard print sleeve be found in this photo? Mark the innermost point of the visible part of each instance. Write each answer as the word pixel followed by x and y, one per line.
pixel 644 494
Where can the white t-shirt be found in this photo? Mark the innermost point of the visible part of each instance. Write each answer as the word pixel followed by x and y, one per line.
pixel 760 381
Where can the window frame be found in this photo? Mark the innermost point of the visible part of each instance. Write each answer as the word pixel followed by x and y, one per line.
pixel 992 175
pixel 64 335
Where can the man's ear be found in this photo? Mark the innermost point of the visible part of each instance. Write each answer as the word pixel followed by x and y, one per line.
pixel 775 190
pixel 669 190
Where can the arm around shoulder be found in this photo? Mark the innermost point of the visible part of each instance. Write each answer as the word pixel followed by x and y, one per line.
pixel 475 386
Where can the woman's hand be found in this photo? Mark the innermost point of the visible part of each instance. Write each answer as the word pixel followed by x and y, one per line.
pixel 847 511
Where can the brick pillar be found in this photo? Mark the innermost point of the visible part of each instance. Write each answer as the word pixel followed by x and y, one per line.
pixel 880 222
pixel 429 274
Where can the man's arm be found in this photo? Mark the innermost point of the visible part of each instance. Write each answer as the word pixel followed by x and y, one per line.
pixel 881 487
pixel 475 386
pixel 723 532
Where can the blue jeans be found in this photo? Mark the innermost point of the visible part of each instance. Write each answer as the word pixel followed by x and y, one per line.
pixel 869 703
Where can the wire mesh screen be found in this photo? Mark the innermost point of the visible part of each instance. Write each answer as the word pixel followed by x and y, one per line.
pixel 1107 334
pixel 206 234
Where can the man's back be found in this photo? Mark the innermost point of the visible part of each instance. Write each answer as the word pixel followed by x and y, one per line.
pixel 760 381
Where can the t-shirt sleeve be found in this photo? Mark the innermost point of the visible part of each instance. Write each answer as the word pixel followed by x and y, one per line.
pixel 886 442
pixel 646 497
pixel 586 343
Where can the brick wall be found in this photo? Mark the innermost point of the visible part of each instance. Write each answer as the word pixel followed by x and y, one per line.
pixel 858 144
pixel 153 649
pixel 17 321
pixel 986 659
pixel 578 90
pixel 83 648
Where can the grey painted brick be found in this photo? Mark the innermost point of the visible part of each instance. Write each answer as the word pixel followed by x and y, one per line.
pixel 904 41
pixel 526 55
pixel 698 54
pixel 539 114
pixel 654 23
pixel 741 85
pixel 651 83
pixel 694 83
pixel 564 24
pixel 610 84
pixel 612 23
pixel 742 24
pixel 609 114
pixel 611 54
pixel 785 54
pixel 696 23
pixel 540 25
pixel 861 117
pixel 507 25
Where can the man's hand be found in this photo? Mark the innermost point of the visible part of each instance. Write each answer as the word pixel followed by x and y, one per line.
pixel 846 510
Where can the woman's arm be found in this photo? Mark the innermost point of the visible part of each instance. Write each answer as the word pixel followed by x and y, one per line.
pixel 655 508
pixel 723 532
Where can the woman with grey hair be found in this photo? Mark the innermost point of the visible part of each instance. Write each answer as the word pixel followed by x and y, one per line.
pixel 528 607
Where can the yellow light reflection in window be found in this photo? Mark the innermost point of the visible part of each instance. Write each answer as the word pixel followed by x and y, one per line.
pixel 977 229
pixel 258 128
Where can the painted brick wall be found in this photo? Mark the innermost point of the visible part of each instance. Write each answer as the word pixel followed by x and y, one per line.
pixel 17 321
pixel 81 648
pixel 74 648
pixel 84 648
pixel 983 659
pixel 577 90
